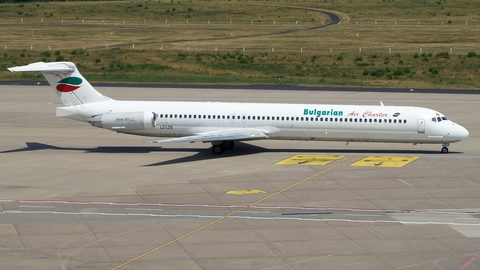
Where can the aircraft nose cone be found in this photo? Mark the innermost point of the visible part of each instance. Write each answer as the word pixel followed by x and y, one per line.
pixel 463 133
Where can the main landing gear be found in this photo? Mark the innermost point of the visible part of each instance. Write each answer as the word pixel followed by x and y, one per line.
pixel 220 147
pixel 445 148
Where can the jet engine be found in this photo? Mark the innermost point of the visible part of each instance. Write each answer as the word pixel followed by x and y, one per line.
pixel 125 121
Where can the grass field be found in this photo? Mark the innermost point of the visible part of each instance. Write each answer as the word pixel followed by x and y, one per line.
pixel 410 43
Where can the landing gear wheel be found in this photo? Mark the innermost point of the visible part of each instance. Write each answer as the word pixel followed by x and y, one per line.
pixel 218 149
pixel 228 145
pixel 444 150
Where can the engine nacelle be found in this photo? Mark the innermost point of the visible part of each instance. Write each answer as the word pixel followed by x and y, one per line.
pixel 125 121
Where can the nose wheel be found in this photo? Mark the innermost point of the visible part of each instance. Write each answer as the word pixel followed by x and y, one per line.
pixel 444 148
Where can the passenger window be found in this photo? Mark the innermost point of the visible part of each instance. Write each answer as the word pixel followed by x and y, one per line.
pixel 389 120
pixel 336 119
pixel 243 117
pixel 316 119
pixel 228 116
pixel 370 120
pixel 405 121
pixel 326 119
pixel 248 117
pixel 185 116
pixel 306 118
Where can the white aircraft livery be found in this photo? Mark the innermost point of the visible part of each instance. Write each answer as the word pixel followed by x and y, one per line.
pixel 222 124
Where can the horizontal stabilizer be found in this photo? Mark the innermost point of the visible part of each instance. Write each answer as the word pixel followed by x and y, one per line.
pixel 70 86
pixel 43 67
pixel 245 134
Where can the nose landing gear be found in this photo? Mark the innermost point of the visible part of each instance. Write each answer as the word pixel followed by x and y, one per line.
pixel 444 148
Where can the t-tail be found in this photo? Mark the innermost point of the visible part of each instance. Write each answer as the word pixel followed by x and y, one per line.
pixel 66 80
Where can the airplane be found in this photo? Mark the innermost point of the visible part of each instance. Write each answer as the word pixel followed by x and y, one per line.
pixel 222 124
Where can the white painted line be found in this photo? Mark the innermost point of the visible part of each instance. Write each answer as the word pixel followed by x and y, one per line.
pixel 36 206
pixel 142 209
pixel 358 215
pixel 408 184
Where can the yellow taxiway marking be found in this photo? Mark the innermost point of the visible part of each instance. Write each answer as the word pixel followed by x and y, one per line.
pixel 244 191
pixel 231 214
pixel 309 160
pixel 384 161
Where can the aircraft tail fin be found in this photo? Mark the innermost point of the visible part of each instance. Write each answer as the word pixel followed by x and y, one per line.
pixel 71 87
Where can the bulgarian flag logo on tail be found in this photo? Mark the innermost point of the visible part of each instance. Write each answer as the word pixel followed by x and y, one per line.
pixel 397 114
pixel 69 84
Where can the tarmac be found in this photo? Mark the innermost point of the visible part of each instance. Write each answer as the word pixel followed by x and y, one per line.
pixel 78 197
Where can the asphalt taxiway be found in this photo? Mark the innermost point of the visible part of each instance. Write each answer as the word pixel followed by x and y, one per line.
pixel 78 197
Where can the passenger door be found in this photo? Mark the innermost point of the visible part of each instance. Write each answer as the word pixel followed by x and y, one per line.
pixel 421 126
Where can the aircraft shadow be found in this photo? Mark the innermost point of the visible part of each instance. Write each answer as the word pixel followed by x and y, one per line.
pixel 206 154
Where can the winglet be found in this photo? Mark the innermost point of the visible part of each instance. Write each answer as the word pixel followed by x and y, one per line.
pixel 381 103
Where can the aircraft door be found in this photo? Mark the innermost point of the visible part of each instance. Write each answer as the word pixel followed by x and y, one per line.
pixel 421 126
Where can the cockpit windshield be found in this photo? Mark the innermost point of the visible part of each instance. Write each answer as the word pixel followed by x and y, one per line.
pixel 439 119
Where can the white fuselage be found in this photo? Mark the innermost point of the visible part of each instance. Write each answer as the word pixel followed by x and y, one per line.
pixel 224 123
pixel 285 121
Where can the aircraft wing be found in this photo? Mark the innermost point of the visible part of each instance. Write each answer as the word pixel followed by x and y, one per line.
pixel 243 134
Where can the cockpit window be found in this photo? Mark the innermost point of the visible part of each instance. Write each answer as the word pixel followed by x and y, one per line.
pixel 444 118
